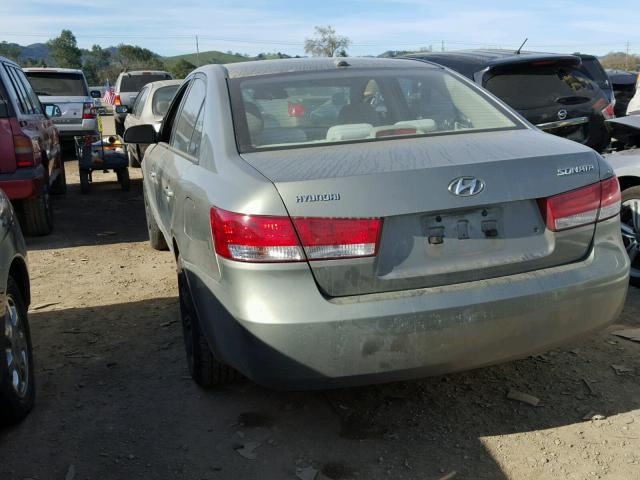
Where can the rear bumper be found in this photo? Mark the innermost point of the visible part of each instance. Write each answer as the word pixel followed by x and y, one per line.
pixel 277 329
pixel 23 183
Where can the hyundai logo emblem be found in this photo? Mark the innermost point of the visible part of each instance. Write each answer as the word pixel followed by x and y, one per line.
pixel 466 186
pixel 562 114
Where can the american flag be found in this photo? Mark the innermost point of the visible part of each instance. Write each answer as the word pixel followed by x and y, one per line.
pixel 109 95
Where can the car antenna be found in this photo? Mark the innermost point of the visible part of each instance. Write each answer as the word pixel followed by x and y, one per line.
pixel 518 51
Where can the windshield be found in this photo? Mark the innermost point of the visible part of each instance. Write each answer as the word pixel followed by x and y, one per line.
pixel 162 99
pixel 134 83
pixel 535 86
pixel 58 84
pixel 305 109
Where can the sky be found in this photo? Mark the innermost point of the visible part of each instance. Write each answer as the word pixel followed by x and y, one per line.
pixel 374 26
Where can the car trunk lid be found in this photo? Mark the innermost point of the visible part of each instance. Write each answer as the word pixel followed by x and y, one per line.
pixel 71 109
pixel 430 236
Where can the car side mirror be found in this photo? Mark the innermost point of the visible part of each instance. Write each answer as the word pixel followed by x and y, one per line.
pixel 122 109
pixel 141 134
pixel 52 110
pixel 95 94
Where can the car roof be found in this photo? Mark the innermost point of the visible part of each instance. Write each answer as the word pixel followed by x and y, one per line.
pixel 162 83
pixel 291 65
pixel 145 72
pixel 479 59
pixel 7 60
pixel 53 69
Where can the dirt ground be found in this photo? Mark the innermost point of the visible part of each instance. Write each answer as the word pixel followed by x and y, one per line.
pixel 114 399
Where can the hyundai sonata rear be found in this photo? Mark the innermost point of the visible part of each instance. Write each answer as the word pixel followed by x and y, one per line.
pixel 375 220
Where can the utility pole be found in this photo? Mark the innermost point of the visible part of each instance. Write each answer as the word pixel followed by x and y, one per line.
pixel 442 48
pixel 197 51
pixel 626 61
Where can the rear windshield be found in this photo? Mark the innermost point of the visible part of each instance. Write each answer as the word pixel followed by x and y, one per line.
pixel 306 109
pixel 134 83
pixel 162 99
pixel 58 84
pixel 535 86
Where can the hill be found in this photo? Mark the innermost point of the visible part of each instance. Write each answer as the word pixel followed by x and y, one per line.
pixel 212 56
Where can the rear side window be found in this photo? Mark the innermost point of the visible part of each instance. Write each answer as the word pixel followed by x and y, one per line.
pixel 162 99
pixel 140 100
pixel 25 103
pixel 536 86
pixel 51 84
pixel 134 83
pixel 187 118
pixel 596 72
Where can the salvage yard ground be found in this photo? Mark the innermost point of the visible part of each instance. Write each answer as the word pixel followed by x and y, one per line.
pixel 114 399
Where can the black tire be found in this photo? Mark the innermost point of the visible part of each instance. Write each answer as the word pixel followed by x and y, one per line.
pixel 84 181
pixel 204 368
pixel 123 179
pixel 59 187
pixel 16 400
pixel 631 236
pixel 38 214
pixel 156 237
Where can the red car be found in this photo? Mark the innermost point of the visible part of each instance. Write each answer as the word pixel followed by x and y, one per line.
pixel 31 166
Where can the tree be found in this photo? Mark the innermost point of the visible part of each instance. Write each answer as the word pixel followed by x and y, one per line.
pixel 64 50
pixel 620 61
pixel 326 43
pixel 10 50
pixel 96 61
pixel 181 68
pixel 131 57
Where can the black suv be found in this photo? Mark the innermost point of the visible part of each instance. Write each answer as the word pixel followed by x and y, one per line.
pixel 554 92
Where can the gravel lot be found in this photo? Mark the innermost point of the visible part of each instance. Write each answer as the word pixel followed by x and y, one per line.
pixel 114 399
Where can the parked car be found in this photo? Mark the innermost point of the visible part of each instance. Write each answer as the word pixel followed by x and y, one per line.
pixel 127 87
pixel 67 88
pixel 552 91
pixel 624 86
pixel 422 228
pixel 634 104
pixel 626 165
pixel 150 106
pixel 31 165
pixel 17 386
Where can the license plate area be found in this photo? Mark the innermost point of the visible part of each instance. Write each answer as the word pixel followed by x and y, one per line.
pixel 467 225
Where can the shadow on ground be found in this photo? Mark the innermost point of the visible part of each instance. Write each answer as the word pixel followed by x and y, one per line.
pixel 116 402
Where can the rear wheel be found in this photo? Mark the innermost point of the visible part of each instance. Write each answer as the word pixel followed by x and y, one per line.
pixel 37 213
pixel 17 386
pixel 156 237
pixel 123 179
pixel 630 223
pixel 84 181
pixel 204 368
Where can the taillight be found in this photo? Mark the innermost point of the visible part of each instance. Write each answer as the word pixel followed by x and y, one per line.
pixel 326 238
pixel 88 111
pixel 257 238
pixel 24 152
pixel 117 101
pixel 583 206
pixel 609 112
pixel 296 109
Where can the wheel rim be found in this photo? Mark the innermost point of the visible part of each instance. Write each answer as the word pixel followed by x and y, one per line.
pixel 630 223
pixel 17 351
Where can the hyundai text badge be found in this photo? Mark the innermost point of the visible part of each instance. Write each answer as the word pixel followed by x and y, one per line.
pixel 466 186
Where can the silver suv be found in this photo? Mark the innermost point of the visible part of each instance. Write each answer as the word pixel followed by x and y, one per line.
pixel 128 85
pixel 67 88
pixel 340 222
